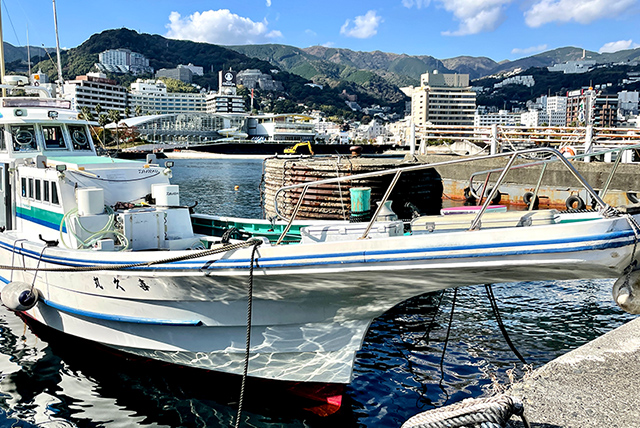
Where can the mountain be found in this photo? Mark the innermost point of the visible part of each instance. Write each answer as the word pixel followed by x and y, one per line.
pixel 168 53
pixel 19 53
pixel 473 66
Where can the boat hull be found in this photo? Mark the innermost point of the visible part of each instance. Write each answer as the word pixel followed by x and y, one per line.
pixel 312 303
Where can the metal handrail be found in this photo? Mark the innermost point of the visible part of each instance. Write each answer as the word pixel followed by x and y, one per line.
pixel 397 171
pixel 547 161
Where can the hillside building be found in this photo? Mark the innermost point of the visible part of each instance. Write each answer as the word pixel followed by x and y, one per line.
pixel 93 89
pixel 153 98
pixel 123 61
pixel 443 99
pixel 255 79
pixel 183 74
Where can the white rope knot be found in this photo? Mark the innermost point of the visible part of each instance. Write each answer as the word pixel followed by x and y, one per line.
pixel 492 412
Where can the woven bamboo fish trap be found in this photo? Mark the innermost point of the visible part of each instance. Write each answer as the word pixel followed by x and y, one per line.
pixel 422 189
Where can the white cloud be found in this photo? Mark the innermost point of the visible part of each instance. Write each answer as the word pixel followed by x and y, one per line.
pixel 620 45
pixel 529 50
pixel 419 4
pixel 311 33
pixel 475 16
pixel 219 27
pixel 364 26
pixel 582 11
pixel 268 3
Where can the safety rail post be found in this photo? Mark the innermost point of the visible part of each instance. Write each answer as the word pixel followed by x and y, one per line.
pixel 494 139
pixel 535 191
pixel 476 221
pixel 588 141
pixel 293 215
pixel 396 177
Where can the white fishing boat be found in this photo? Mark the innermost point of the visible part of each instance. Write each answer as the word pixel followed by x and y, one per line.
pixel 101 249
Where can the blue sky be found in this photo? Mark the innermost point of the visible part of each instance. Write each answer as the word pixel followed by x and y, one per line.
pixel 498 29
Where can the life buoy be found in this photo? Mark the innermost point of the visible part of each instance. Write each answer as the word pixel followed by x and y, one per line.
pixel 567 151
pixel 575 202
pixel 526 198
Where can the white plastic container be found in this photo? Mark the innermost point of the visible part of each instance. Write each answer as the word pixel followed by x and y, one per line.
pixel 90 201
pixel 167 195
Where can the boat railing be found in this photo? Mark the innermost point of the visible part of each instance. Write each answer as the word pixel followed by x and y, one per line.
pixel 43 92
pixel 396 172
pixel 487 173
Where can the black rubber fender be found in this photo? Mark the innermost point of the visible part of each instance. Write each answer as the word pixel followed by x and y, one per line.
pixel 577 201
pixel 527 200
pixel 496 197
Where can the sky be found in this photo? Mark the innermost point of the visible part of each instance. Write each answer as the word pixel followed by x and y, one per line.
pixel 498 29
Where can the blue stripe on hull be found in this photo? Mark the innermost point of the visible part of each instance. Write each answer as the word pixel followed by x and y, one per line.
pixel 604 241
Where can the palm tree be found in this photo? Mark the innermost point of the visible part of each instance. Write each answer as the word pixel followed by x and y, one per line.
pixel 127 112
pixel 86 113
pixel 114 116
pixel 103 119
pixel 138 110
pixel 98 109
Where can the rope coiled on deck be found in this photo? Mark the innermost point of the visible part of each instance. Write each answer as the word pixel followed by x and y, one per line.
pixel 492 412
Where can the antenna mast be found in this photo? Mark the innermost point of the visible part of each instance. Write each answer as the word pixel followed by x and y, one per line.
pixel 60 80
pixel 1 52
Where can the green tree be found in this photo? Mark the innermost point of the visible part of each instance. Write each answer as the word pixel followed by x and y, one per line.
pixel 138 110
pixel 127 112
pixel 98 109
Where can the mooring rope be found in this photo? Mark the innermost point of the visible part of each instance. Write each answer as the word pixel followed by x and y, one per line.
pixel 496 312
pixel 248 336
pixel 204 253
pixel 492 412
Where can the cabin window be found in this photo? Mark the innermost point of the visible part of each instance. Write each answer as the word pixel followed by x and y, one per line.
pixel 46 191
pixel 53 138
pixel 79 137
pixel 3 145
pixel 24 187
pixel 24 138
pixel 54 193
pixel 30 188
pixel 38 190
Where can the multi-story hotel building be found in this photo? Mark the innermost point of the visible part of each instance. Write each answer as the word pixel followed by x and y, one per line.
pixel 93 89
pixel 225 100
pixel 153 98
pixel 443 99
pixel 590 107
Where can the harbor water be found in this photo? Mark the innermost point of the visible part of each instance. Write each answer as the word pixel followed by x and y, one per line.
pixel 51 381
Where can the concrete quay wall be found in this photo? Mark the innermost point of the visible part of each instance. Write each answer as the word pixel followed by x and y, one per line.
pixel 593 386
pixel 557 184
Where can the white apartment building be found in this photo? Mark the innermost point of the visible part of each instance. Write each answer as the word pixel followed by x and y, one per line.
pixel 153 98
pixel 93 89
pixel 503 117
pixel 370 131
pixel 557 111
pixel 443 99
pixel 123 61
pixel 527 81
pixel 533 118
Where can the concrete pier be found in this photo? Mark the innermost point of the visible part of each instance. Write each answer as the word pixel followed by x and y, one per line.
pixel 594 386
